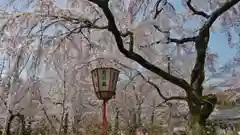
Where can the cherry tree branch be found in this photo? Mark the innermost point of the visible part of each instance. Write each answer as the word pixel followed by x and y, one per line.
pixel 174 40
pixel 213 17
pixel 160 93
pixel 85 23
pixel 157 10
pixel 196 12
pixel 183 40
pixel 198 72
pixel 153 84
pixel 201 45
pixel 133 55
pixel 159 29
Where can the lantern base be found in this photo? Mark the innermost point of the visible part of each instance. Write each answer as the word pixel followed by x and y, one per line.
pixel 105 95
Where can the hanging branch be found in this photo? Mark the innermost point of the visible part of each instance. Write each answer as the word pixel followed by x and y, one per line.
pixel 160 93
pixel 166 99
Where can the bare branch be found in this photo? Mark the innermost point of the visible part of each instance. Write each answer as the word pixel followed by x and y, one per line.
pixel 140 7
pixel 196 12
pixel 183 40
pixel 157 10
pixel 77 30
pixel 160 93
pixel 86 24
pixel 160 30
pixel 153 84
pixel 68 18
pixel 177 41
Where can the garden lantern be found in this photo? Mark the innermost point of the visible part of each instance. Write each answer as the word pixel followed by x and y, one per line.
pixel 104 82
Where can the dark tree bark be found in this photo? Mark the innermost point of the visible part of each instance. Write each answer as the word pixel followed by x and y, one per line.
pixel 65 127
pixel 22 120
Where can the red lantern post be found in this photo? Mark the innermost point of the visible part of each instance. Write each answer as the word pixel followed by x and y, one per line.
pixel 104 82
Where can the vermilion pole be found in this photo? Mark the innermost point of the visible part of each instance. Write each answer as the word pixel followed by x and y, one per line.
pixel 104 118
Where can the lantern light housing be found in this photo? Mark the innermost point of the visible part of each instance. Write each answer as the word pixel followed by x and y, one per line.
pixel 104 82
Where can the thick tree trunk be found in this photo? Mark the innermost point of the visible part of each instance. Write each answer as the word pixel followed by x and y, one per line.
pixel 200 110
pixel 195 127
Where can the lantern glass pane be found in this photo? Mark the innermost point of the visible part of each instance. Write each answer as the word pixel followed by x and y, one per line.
pixel 95 80
pixel 103 79
pixel 114 80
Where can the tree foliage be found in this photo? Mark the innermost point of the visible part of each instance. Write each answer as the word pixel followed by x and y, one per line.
pixel 48 49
